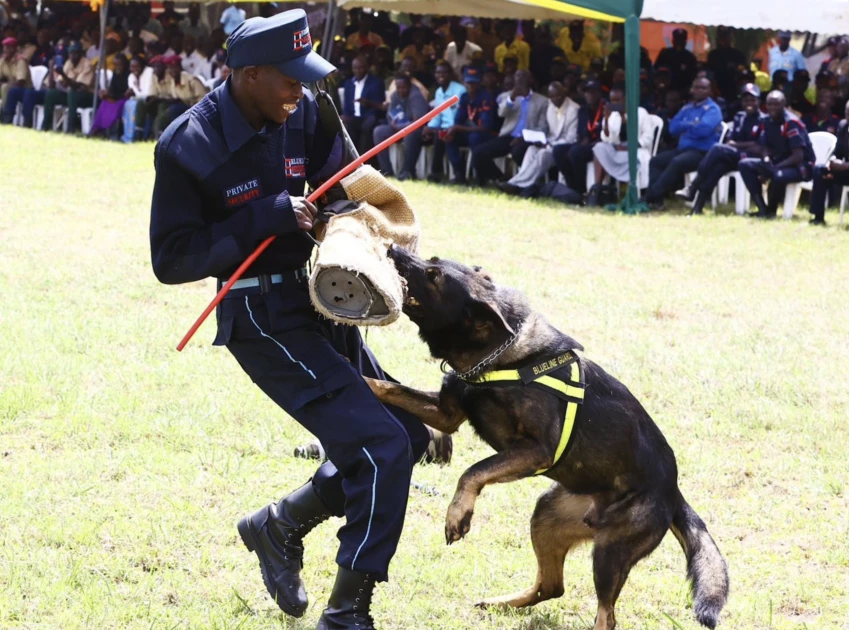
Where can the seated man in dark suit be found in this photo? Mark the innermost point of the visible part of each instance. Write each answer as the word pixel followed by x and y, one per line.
pixel 363 104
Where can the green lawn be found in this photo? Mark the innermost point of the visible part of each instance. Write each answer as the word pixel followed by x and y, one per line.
pixel 124 465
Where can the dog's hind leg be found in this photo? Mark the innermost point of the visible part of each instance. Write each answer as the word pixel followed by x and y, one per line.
pixel 627 532
pixel 556 527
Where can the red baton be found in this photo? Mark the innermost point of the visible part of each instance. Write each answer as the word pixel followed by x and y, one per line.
pixel 315 195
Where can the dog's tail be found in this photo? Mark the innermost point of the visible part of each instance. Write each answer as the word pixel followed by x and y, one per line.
pixel 705 565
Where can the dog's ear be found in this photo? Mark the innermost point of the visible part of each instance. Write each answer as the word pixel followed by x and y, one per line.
pixel 487 312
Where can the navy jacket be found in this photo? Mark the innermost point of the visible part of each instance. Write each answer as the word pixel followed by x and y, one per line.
pixel 746 127
pixel 481 112
pixel 373 90
pixel 590 123
pixel 222 188
pixel 781 137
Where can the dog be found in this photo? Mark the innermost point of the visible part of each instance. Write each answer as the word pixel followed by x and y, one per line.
pixel 615 476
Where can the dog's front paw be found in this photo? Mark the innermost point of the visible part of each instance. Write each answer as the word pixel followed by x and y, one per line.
pixel 457 522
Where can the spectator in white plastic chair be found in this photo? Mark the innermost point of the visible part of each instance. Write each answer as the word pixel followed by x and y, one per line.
pixel 610 156
pixel 835 171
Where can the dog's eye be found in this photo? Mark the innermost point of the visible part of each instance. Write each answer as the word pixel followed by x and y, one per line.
pixel 434 260
pixel 432 273
pixel 477 268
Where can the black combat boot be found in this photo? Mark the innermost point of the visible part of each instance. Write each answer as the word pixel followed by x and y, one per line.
pixel 276 534
pixel 348 608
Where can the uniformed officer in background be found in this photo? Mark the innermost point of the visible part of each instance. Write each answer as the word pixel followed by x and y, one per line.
pixel 788 156
pixel 231 172
pixel 743 141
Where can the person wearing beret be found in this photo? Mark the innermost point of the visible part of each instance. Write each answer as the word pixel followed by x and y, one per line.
pixel 231 172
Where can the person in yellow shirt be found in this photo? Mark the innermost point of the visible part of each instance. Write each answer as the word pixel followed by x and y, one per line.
pixel 71 85
pixel 510 45
pixel 581 47
pixel 14 78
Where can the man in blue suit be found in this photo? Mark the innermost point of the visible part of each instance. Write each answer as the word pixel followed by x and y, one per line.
pixel 363 104
pixel 698 126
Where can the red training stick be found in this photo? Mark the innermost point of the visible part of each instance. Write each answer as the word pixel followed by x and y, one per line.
pixel 312 198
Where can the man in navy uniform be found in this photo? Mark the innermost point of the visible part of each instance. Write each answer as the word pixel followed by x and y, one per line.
pixel 832 176
pixel 743 142
pixel 231 172
pixel 787 157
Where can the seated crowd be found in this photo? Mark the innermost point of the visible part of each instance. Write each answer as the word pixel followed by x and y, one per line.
pixel 538 98
pixel 153 69
pixel 556 108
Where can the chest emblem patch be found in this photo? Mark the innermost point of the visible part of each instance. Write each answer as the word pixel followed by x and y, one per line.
pixel 242 193
pixel 296 167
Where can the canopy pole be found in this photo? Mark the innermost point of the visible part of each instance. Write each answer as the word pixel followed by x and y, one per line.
pixel 632 96
pixel 327 36
pixel 104 11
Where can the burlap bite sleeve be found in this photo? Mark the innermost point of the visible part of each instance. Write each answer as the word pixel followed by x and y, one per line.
pixel 353 280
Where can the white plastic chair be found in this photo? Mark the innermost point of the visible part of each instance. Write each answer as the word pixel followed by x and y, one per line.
pixel 37 74
pixel 86 114
pixel 824 143
pixel 642 173
pixel 689 177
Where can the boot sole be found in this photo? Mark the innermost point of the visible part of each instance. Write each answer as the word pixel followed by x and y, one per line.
pixel 248 537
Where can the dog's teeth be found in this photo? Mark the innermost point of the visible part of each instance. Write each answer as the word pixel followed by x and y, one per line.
pixel 412 301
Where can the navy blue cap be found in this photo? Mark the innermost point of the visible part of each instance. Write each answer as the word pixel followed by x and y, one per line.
pixel 472 74
pixel 282 41
pixel 751 88
pixel 784 34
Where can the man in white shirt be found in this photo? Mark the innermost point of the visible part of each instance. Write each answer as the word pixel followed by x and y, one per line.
pixel 193 61
pixel 460 52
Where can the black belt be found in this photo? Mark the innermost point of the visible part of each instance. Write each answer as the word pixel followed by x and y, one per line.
pixel 264 282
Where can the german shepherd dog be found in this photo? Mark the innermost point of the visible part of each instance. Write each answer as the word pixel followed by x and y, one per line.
pixel 615 485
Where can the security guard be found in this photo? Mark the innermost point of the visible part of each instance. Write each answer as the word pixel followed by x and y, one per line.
pixel 231 172
pixel 788 156
pixel 743 142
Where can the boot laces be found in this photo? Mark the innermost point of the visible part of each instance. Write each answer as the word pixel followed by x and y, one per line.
pixel 295 537
pixel 363 601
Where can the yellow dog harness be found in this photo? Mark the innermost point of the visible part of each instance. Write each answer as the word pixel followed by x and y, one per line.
pixel 560 375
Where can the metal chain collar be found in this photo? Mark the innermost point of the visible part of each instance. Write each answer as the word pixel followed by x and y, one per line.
pixel 483 362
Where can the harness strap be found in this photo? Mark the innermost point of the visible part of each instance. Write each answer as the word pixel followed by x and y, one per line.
pixel 572 391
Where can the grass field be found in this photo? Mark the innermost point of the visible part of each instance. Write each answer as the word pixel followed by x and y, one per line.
pixel 124 465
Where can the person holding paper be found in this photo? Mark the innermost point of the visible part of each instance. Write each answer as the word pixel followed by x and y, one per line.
pixel 562 119
pixel 610 156
pixel 521 109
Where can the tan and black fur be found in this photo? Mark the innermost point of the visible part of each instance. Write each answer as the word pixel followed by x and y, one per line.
pixel 617 483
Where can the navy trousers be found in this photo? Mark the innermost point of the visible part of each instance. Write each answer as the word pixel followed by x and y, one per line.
pixel 484 155
pixel 572 160
pixel 823 186
pixel 452 150
pixel 752 169
pixel 667 170
pixel 312 369
pixel 719 161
